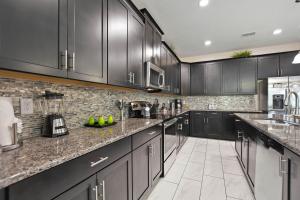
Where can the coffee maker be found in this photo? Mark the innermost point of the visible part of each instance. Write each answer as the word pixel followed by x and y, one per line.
pixel 53 107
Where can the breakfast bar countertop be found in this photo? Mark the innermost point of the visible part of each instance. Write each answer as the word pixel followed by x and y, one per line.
pixel 285 134
pixel 40 153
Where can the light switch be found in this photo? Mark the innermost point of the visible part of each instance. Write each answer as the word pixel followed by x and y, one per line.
pixel 26 106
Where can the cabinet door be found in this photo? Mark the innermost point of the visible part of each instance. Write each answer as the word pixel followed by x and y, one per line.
pixel 85 41
pixel 197 124
pixel 239 137
pixel 197 79
pixel 213 78
pixel 149 45
pixel 164 66
pixel 293 179
pixel 213 124
pixel 169 72
pixel 83 191
pixel 228 127
pixel 156 47
pixel 248 76
pixel 245 150
pixel 268 66
pixel 186 126
pixel 156 158
pixel 230 76
pixel 141 171
pixel 252 158
pixel 2 194
pixel 33 36
pixel 135 49
pixel 115 181
pixel 286 66
pixel 185 79
pixel 117 43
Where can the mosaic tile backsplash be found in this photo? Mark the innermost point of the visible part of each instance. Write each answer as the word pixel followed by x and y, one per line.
pixel 81 102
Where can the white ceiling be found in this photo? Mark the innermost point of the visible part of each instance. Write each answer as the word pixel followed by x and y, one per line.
pixel 187 26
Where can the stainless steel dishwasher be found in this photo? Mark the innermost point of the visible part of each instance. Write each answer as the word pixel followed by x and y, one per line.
pixel 269 169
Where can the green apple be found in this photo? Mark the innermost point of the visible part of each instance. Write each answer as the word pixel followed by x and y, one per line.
pixel 110 119
pixel 101 121
pixel 91 121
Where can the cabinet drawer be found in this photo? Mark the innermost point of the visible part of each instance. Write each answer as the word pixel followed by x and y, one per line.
pixel 55 181
pixel 146 135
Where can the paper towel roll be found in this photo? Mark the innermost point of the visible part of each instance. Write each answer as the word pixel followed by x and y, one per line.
pixel 7 119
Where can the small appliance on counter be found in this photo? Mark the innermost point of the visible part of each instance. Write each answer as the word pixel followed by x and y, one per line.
pixel 178 104
pixel 52 107
pixel 139 109
pixel 10 126
pixel 278 101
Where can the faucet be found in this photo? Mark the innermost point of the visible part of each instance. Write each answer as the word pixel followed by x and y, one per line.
pixel 288 106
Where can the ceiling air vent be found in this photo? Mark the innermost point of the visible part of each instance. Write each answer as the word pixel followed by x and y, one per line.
pixel 248 34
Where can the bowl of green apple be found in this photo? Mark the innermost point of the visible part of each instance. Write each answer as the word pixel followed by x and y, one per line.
pixel 100 122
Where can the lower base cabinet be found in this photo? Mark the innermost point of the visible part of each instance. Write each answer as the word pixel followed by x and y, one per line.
pixel 2 194
pixel 103 185
pixel 147 167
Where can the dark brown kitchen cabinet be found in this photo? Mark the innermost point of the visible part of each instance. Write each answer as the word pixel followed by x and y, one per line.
pixel 2 194
pixel 245 148
pixel 197 124
pixel 156 159
pixel 213 78
pixel 197 79
pixel 164 66
pixel 117 43
pixel 125 45
pixel 86 37
pixel 146 166
pixel 213 124
pixel 87 190
pixel 286 66
pixel 153 42
pixel 230 77
pixel 252 156
pixel 185 79
pixel 115 181
pixel 228 126
pixel 292 179
pixel 175 75
pixel 156 47
pixel 239 137
pixel 247 76
pixel 135 50
pixel 34 38
pixel 268 66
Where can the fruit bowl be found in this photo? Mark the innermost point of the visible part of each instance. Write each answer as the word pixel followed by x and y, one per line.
pixel 96 125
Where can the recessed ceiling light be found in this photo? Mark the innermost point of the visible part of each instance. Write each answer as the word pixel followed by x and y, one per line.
pixel 277 31
pixel 207 43
pixel 203 3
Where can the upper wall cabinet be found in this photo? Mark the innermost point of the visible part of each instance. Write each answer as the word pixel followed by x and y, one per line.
pixel 153 35
pixel 247 76
pixel 286 66
pixel 268 66
pixel 30 33
pixel 125 45
pixel 86 40
pixel 54 37
pixel 197 79
pixel 185 79
pixel 230 77
pixel 206 78
pixel 277 65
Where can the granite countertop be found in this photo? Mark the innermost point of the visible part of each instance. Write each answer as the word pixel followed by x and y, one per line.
pixel 286 135
pixel 39 154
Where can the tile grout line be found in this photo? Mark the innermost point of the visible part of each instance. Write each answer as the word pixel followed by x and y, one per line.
pixel 203 170
pixel 183 170
pixel 223 175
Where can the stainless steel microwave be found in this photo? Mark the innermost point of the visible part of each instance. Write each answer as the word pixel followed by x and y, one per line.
pixel 155 78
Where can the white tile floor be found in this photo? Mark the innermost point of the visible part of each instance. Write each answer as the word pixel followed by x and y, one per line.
pixel 204 169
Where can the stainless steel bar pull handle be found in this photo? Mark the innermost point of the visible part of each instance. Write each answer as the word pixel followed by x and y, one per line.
pixel 93 164
pixel 65 60
pixel 152 133
pixel 96 191
pixel 103 189
pixel 73 61
pixel 130 77
pixel 282 167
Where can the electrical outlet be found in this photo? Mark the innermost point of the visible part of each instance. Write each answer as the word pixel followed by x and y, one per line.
pixel 26 106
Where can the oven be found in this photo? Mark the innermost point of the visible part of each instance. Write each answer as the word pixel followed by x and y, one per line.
pixel 171 139
pixel 155 78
